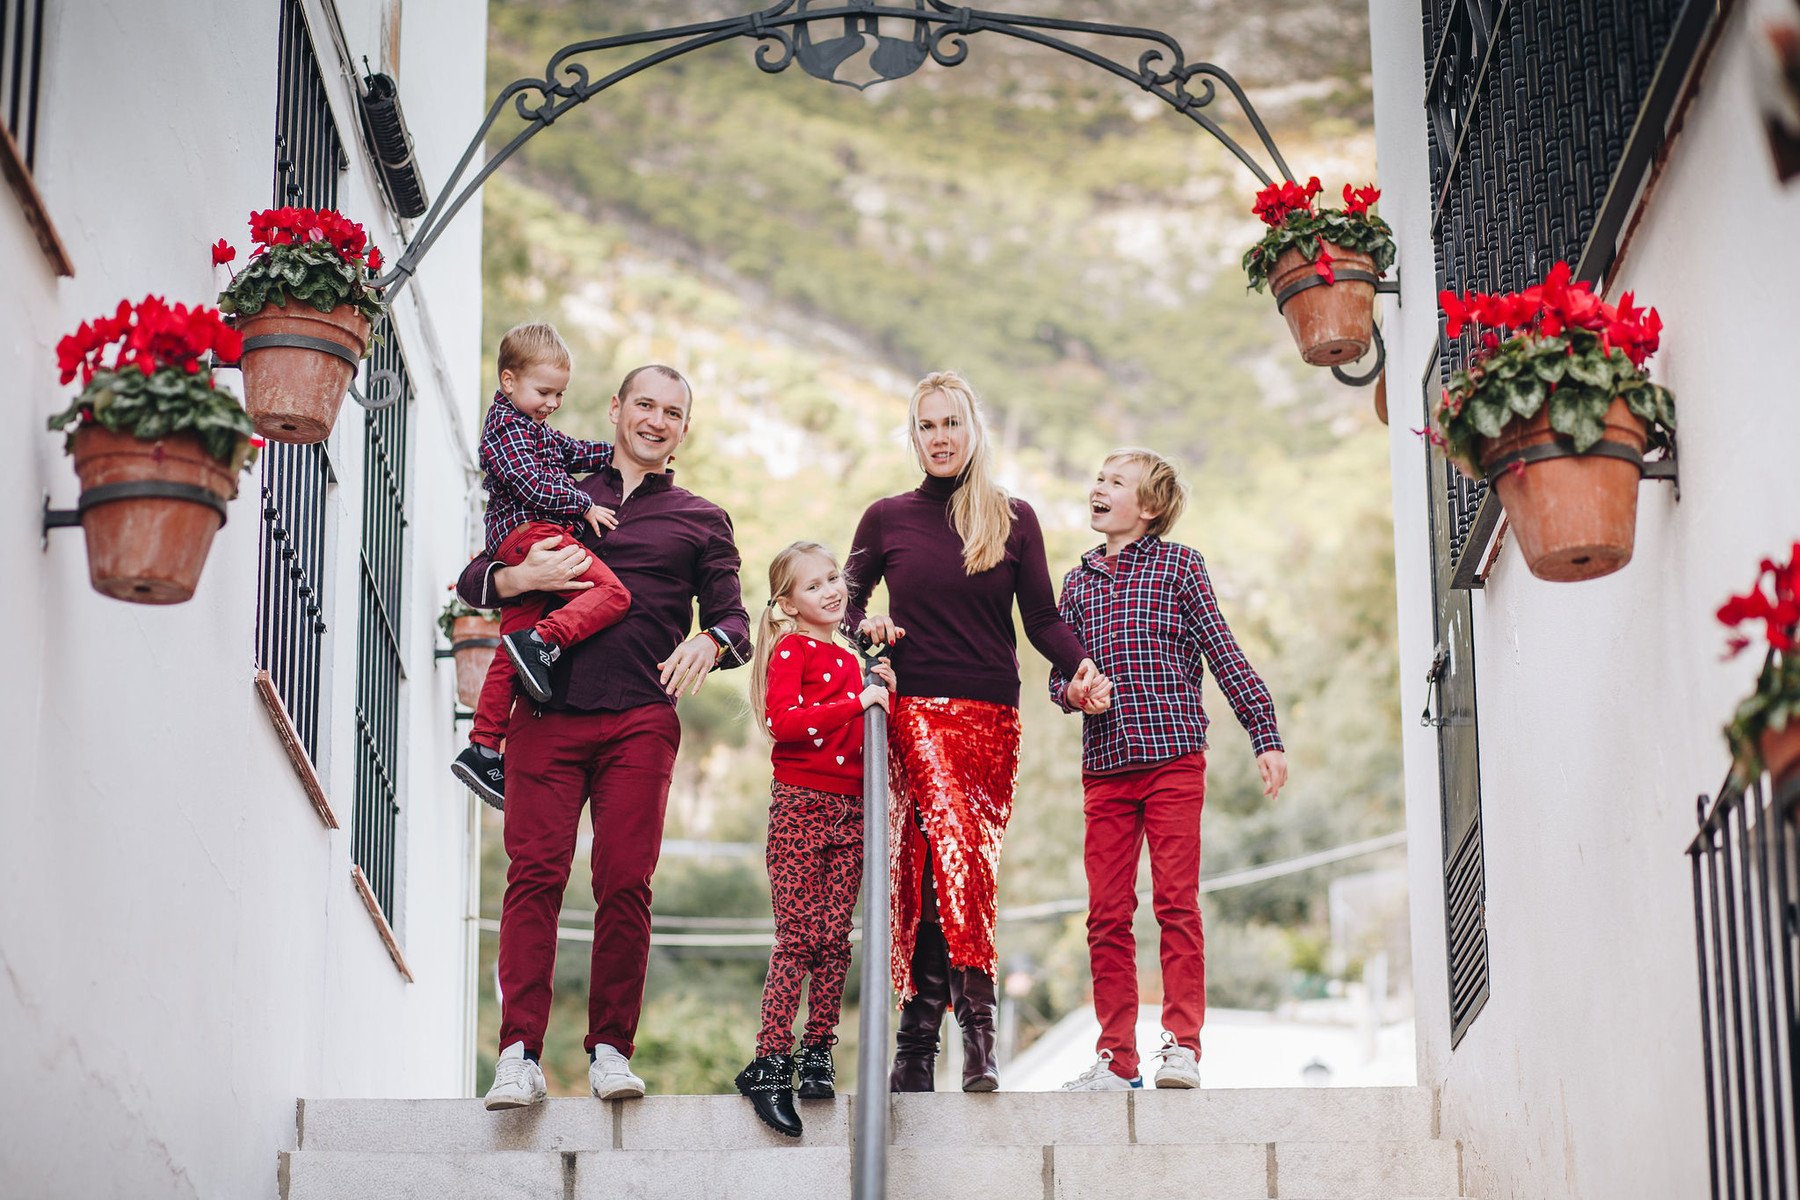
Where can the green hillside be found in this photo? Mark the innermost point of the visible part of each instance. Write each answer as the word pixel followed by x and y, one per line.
pixel 804 251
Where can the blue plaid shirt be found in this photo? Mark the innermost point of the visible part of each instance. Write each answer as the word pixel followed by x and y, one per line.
pixel 1151 625
pixel 526 469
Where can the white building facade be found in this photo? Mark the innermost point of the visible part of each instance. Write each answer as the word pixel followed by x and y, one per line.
pixel 200 922
pixel 1551 807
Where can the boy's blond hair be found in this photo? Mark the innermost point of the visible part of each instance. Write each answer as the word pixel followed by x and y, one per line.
pixel 1160 491
pixel 533 344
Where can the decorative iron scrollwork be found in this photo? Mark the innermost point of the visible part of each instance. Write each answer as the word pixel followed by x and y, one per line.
pixel 828 41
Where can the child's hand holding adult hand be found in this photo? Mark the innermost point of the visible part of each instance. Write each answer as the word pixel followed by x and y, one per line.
pixel 1272 766
pixel 1080 689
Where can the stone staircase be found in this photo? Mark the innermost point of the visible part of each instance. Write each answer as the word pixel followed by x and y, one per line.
pixel 1225 1144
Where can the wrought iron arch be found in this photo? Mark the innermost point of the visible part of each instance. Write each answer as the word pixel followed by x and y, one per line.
pixel 793 32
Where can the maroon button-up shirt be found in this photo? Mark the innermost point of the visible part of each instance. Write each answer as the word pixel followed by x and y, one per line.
pixel 671 550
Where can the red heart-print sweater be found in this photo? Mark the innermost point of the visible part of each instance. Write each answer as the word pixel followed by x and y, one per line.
pixel 815 715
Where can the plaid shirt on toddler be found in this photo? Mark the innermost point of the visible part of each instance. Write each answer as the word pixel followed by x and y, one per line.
pixel 1152 624
pixel 526 469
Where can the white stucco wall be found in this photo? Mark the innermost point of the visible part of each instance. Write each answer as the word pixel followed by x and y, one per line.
pixel 182 953
pixel 1599 703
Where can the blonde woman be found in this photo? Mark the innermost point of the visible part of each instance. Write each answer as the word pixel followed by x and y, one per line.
pixel 957 553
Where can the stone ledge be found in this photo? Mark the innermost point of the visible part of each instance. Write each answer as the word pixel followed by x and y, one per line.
pixel 723 1123
pixel 1282 1115
pixel 1215 1171
pixel 1371 1170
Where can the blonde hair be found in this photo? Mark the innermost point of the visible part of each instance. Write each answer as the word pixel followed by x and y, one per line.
pixel 775 624
pixel 1160 491
pixel 980 511
pixel 533 344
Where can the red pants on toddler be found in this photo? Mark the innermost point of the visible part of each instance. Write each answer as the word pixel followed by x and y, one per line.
pixel 1162 802
pixel 588 611
pixel 815 860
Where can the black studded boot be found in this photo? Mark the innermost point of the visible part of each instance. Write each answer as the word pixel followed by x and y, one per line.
pixel 768 1082
pixel 816 1073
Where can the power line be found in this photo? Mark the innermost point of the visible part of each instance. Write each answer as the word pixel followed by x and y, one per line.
pixel 734 932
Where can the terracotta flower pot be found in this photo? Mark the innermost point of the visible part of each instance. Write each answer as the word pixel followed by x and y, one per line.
pixel 1781 752
pixel 148 550
pixel 474 640
pixel 1575 518
pixel 1333 323
pixel 293 393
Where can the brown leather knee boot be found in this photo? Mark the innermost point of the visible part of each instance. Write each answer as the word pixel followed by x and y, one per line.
pixel 916 1041
pixel 972 991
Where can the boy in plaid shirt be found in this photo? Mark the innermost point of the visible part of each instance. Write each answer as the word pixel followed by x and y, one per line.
pixel 1145 610
pixel 532 498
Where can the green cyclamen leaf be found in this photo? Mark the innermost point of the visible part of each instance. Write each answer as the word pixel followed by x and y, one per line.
pixel 1488 418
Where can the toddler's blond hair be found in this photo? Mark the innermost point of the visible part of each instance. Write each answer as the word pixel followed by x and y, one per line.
pixel 533 344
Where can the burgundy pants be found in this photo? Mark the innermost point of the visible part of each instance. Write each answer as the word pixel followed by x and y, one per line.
pixel 619 762
pixel 815 859
pixel 1161 803
pixel 588 611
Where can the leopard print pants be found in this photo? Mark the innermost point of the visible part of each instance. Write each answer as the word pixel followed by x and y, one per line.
pixel 815 858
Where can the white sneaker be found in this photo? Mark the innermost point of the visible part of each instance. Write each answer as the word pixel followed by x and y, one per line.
pixel 610 1077
pixel 518 1082
pixel 1102 1078
pixel 1180 1065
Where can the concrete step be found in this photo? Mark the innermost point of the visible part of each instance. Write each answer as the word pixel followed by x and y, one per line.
pixel 1220 1171
pixel 929 1120
pixel 1302 1144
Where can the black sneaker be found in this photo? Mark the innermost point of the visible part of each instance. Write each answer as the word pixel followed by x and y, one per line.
pixel 482 773
pixel 533 657
pixel 768 1082
pixel 816 1073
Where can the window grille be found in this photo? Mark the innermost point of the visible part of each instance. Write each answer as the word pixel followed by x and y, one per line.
pixel 1746 869
pixel 380 663
pixel 296 480
pixel 21 61
pixel 1533 113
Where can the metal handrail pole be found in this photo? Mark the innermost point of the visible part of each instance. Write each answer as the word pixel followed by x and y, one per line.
pixel 869 1172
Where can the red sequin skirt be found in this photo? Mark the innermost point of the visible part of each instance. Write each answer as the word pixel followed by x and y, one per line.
pixel 952 768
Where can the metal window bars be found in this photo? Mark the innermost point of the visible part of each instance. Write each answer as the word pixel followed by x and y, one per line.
pixel 380 658
pixel 21 66
pixel 1746 873
pixel 296 480
pixel 1535 108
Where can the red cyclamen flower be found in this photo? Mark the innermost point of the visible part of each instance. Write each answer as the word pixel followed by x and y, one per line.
pixel 1358 200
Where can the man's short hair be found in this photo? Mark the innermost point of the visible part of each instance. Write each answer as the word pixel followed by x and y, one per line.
pixel 534 344
pixel 667 372
pixel 1160 491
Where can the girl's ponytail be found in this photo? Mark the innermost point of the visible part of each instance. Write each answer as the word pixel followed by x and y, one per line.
pixel 775 624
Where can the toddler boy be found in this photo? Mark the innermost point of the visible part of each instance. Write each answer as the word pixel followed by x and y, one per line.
pixel 532 497
pixel 1145 610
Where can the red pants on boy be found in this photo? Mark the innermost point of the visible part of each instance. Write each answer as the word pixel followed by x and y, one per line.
pixel 1161 802
pixel 588 611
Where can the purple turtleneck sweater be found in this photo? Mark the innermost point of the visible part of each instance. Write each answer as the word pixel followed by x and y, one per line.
pixel 959 628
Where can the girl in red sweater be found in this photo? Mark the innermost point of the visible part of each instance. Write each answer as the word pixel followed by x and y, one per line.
pixel 809 692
